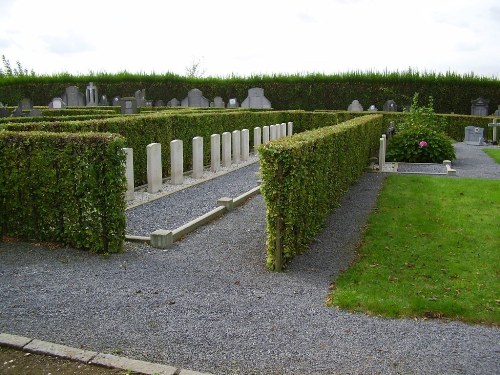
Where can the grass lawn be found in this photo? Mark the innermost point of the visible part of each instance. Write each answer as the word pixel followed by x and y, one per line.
pixel 494 153
pixel 431 249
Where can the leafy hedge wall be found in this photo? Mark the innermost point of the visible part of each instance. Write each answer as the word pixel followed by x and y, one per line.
pixel 63 187
pixel 452 92
pixel 304 177
pixel 163 127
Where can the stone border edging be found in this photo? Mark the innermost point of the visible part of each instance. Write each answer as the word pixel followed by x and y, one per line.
pixel 163 239
pixel 89 357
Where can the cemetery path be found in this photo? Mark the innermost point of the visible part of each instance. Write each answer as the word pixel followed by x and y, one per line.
pixel 208 303
pixel 472 161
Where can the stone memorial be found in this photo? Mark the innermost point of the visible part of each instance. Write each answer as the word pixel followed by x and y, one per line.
pixel 104 102
pixel 233 103
pixel 140 97
pixel 479 107
pixel 116 101
pixel 474 136
pixel 18 112
pixel 355 106
pixel 390 106
pixel 3 111
pixel 256 99
pixel 173 103
pixel 57 103
pixel 128 106
pixel 218 102
pixel 72 97
pixel 91 97
pixel 195 98
pixel 26 104
pixel 373 108
pixel 35 112
pixel 495 125
pixel 497 112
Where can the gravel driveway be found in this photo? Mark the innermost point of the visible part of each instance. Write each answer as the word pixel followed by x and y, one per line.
pixel 209 304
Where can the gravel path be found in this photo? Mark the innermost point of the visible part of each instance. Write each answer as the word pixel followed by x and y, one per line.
pixel 209 304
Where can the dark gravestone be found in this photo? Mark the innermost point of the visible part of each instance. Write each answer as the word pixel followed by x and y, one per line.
pixel 256 99
pixel 3 111
pixel 91 97
pixel 479 107
pixel 390 106
pixel 195 98
pixel 73 97
pixel 128 106
pixel 104 102
pixel 173 103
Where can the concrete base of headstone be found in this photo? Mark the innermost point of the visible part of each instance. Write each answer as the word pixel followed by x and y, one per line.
pixel 226 202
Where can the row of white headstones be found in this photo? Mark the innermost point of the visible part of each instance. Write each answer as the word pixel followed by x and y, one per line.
pixel 235 147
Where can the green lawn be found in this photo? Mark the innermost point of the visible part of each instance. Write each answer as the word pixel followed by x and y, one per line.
pixel 494 153
pixel 431 249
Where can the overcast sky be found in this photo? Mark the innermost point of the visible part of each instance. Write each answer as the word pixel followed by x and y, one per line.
pixel 252 36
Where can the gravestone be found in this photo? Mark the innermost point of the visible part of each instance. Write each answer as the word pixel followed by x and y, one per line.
pixel 91 97
pixel 233 103
pixel 25 104
pixel 18 112
pixel 173 103
pixel 104 102
pixel 390 106
pixel 116 101
pixel 256 99
pixel 474 136
pixel 497 112
pixel 159 103
pixel 219 103
pixel 3 111
pixel 140 97
pixel 57 103
pixel 355 106
pixel 195 98
pixel 35 112
pixel 373 108
pixel 128 106
pixel 479 107
pixel 72 97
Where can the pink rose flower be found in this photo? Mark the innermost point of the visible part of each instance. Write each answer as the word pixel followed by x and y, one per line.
pixel 422 144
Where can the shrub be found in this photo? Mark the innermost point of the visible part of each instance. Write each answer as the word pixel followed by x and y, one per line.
pixel 420 145
pixel 422 116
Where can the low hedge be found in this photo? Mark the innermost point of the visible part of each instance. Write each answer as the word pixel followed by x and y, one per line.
pixel 62 187
pixel 304 177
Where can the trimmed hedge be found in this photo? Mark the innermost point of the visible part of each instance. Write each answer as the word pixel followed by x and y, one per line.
pixel 63 187
pixel 304 177
pixel 163 127
pixel 452 92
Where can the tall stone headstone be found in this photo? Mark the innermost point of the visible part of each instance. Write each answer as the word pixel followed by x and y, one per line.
pixel 479 107
pixel 390 106
pixel 91 96
pixel 140 97
pixel 195 98
pixel 355 106
pixel 474 136
pixel 72 97
pixel 256 99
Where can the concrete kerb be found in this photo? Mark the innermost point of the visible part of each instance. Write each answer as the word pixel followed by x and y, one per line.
pixel 163 239
pixel 90 357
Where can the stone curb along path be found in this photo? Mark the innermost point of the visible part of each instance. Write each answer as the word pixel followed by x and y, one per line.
pixel 89 357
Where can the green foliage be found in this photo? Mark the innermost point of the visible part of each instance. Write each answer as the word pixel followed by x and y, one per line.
pixel 494 153
pixel 17 71
pixel 430 250
pixel 63 187
pixel 304 177
pixel 451 92
pixel 406 146
pixel 420 137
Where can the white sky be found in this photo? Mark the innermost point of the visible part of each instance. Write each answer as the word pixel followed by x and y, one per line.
pixel 252 36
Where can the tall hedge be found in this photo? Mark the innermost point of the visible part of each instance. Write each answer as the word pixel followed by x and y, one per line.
pixel 304 177
pixel 452 92
pixel 63 187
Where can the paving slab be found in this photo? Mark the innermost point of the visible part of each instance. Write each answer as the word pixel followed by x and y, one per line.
pixel 49 348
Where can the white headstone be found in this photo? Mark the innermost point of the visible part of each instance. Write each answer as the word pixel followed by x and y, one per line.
pixel 226 149
pixel 215 152
pixel 176 162
pixel 153 151
pixel 197 157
